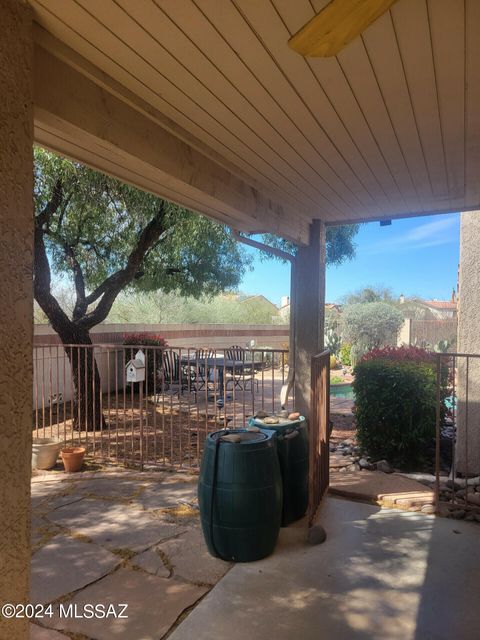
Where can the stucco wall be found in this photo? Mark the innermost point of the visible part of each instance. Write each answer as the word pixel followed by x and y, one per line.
pixel 218 336
pixel 469 342
pixel 16 327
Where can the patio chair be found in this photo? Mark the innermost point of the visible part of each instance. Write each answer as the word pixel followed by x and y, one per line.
pixel 174 374
pixel 241 376
pixel 202 369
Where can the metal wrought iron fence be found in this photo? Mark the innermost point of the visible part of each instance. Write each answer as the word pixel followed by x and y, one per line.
pixel 457 441
pixel 82 397
pixel 319 432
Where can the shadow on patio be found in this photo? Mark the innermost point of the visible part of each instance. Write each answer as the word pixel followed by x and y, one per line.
pixel 381 574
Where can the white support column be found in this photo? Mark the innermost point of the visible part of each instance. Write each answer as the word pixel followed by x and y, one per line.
pixel 16 308
pixel 308 308
pixel 469 342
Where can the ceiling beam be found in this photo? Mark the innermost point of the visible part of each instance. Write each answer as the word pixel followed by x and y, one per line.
pixel 78 118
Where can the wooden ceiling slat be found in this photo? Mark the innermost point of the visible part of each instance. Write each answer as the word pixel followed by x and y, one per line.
pixel 328 73
pixel 404 149
pixel 165 45
pixel 410 20
pixel 163 73
pixel 112 64
pixel 389 127
pixel 472 120
pixel 447 28
pixel 290 82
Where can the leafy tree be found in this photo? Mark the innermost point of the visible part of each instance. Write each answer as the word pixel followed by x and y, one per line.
pixel 340 244
pixel 370 325
pixel 409 306
pixel 370 294
pixel 107 236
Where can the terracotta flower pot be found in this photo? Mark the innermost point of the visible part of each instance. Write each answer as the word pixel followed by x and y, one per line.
pixel 72 458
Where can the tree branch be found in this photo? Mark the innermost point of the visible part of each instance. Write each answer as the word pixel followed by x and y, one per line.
pixel 111 287
pixel 80 303
pixel 42 283
pixel 51 206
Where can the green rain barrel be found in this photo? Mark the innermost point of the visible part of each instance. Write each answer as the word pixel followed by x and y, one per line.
pixel 240 494
pixel 292 448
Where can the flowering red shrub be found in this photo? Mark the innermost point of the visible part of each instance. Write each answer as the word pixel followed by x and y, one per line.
pixel 145 339
pixel 410 354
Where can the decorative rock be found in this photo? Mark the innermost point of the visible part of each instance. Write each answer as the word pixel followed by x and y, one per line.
pixel 363 463
pixel 271 420
pixel 473 498
pixel 316 534
pixel 472 482
pixel 455 484
pixel 283 414
pixel 261 414
pixel 383 465
pixel 428 508
pixel 294 415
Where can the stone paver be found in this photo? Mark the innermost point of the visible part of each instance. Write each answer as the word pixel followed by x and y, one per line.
pixel 154 604
pixel 151 562
pixel 44 493
pixel 111 488
pixel 64 565
pixel 40 633
pixel 189 558
pixel 167 495
pixel 113 525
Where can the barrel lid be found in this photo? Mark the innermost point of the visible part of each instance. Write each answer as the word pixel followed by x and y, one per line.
pixel 239 436
pixel 281 424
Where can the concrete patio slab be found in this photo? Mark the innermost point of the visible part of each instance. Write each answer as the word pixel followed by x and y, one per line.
pixel 154 604
pixel 382 574
pixel 64 565
pixel 189 558
pixel 113 525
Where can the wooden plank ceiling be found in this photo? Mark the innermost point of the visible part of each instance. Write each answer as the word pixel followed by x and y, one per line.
pixel 390 127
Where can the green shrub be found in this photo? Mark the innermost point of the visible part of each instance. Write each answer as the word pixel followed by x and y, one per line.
pixel 395 403
pixel 370 325
pixel 344 354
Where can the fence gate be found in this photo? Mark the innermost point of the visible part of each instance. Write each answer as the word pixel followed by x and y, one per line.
pixel 319 432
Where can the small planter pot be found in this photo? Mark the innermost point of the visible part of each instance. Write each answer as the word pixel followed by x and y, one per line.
pixel 45 452
pixel 73 458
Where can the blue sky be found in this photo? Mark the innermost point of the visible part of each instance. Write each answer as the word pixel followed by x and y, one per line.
pixel 414 256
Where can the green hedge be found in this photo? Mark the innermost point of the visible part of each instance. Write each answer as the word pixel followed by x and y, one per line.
pixel 395 404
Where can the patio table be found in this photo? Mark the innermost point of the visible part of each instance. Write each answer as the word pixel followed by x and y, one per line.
pixel 220 364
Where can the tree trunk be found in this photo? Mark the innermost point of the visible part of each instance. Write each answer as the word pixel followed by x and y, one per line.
pixel 87 414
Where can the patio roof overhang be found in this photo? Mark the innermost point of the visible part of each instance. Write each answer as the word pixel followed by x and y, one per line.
pixel 204 103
